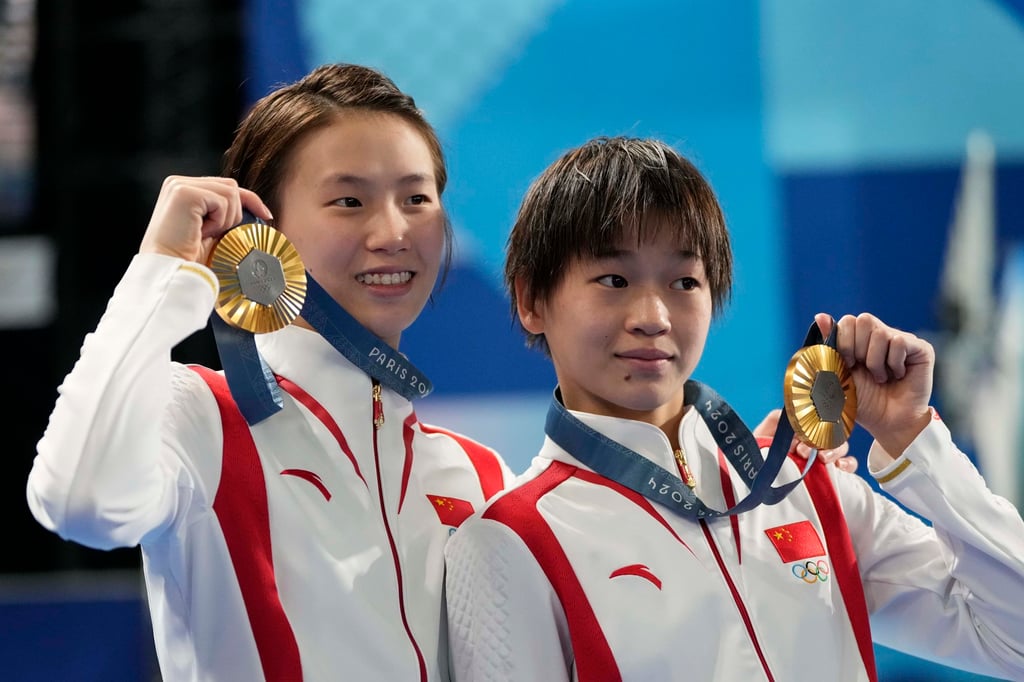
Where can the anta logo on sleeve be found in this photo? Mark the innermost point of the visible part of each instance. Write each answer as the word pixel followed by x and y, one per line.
pixel 312 478
pixel 638 570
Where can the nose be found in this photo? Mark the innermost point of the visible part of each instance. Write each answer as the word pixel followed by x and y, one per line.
pixel 648 314
pixel 388 231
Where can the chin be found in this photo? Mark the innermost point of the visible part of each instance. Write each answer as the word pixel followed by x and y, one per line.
pixel 390 329
pixel 386 321
pixel 647 401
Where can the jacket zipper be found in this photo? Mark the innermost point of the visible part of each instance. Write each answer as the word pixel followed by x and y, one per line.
pixel 740 606
pixel 378 422
pixel 684 468
pixel 378 407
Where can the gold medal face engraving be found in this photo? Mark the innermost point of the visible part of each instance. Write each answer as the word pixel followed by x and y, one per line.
pixel 262 278
pixel 820 397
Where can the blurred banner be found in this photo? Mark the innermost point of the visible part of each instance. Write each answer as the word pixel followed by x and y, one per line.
pixel 997 416
pixel 966 294
pixel 980 347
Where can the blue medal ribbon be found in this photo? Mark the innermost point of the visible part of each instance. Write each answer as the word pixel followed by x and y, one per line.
pixel 619 463
pixel 252 383
pixel 250 380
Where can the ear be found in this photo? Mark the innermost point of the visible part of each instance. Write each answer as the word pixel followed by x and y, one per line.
pixel 531 312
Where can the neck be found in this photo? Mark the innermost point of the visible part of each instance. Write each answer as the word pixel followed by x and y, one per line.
pixel 666 417
pixel 671 427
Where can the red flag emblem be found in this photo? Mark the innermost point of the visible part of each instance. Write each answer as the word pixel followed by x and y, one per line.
pixel 451 510
pixel 796 541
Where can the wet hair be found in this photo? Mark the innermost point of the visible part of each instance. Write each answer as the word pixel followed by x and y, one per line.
pixel 258 157
pixel 609 188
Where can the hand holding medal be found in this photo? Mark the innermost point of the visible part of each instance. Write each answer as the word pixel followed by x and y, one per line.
pixel 892 371
pixel 192 213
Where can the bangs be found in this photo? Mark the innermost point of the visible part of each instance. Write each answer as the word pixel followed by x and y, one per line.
pixel 640 229
pixel 610 191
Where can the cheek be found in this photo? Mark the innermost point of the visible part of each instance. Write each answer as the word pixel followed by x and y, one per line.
pixel 587 332
pixel 697 335
pixel 328 261
pixel 431 242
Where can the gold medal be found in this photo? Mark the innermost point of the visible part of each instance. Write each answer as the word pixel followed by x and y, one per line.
pixel 262 278
pixel 820 397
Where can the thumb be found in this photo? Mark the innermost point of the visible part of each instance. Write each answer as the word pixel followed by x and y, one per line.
pixel 824 322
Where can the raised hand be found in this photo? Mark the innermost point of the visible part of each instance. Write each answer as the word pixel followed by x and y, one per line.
pixel 892 371
pixel 192 213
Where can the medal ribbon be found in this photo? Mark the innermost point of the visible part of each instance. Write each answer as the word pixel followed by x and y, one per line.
pixel 252 383
pixel 613 460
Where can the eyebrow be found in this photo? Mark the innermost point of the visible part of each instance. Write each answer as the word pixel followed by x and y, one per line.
pixel 360 181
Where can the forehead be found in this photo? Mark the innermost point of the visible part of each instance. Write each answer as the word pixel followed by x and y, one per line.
pixel 362 145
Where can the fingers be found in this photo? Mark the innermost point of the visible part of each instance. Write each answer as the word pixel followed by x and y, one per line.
pixel 824 322
pixel 222 198
pixel 828 456
pixel 252 202
pixel 848 464
pixel 840 456
pixel 214 202
pixel 885 352
pixel 192 212
pixel 873 345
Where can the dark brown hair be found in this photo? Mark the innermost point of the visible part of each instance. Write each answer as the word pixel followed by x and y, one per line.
pixel 587 200
pixel 260 153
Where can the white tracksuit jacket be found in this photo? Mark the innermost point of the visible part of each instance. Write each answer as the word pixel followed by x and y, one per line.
pixel 568 576
pixel 312 549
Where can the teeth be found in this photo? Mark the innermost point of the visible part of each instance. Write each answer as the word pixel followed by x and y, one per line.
pixel 386 279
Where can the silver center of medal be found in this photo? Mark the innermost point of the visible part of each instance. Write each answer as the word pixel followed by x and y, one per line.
pixel 261 277
pixel 827 396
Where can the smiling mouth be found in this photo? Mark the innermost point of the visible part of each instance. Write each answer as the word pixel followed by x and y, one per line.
pixel 386 279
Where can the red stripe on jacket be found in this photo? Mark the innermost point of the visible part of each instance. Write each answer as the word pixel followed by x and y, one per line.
pixel 407 436
pixel 242 510
pixel 844 559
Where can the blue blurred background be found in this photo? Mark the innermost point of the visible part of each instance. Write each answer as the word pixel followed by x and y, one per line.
pixel 836 136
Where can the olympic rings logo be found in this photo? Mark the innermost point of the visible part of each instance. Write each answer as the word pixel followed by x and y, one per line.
pixel 812 571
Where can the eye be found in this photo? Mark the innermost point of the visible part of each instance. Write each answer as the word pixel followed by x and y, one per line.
pixel 685 283
pixel 349 202
pixel 613 281
pixel 418 199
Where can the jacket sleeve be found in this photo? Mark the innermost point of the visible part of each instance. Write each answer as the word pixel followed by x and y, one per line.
pixel 500 604
pixel 952 591
pixel 110 467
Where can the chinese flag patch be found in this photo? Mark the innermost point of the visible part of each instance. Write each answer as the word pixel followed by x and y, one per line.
pixel 796 541
pixel 451 510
